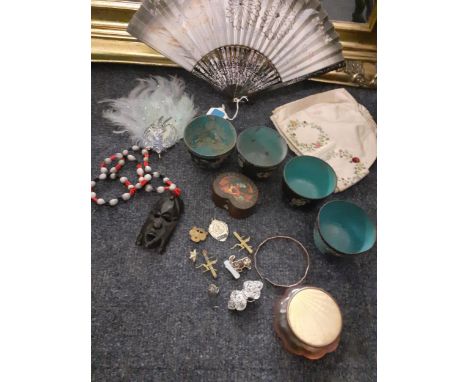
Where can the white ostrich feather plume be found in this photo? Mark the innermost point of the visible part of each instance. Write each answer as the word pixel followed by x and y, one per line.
pixel 155 112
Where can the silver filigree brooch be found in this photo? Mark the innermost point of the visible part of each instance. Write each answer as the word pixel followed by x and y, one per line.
pixel 239 298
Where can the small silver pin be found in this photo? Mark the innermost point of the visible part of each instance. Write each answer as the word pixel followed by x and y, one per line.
pixel 230 268
pixel 240 264
pixel 213 290
pixel 193 255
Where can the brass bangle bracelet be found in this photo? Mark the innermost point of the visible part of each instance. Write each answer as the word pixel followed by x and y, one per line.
pixel 304 251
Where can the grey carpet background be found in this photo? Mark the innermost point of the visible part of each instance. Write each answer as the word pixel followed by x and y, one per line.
pixel 152 319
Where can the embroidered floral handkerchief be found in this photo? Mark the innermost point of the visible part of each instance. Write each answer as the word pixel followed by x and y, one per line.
pixel 332 126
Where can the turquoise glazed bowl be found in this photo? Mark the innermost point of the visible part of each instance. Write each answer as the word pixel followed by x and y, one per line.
pixel 343 228
pixel 260 151
pixel 210 140
pixel 307 180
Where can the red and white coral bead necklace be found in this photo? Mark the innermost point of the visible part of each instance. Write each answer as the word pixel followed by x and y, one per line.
pixel 143 171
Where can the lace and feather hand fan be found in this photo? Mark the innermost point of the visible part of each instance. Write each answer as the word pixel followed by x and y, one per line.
pixel 241 46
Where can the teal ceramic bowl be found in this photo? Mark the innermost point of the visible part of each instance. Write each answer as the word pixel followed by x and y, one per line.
pixel 343 228
pixel 307 180
pixel 260 151
pixel 210 140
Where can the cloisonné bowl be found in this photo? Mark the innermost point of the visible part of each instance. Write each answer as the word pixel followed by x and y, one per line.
pixel 343 228
pixel 307 180
pixel 260 151
pixel 210 139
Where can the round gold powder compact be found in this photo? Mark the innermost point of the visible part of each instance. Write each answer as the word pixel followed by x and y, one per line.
pixel 308 321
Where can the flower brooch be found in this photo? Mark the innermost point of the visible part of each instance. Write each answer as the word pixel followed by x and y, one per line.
pixel 250 292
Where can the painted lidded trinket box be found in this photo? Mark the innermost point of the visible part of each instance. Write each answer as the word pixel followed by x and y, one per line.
pixel 235 193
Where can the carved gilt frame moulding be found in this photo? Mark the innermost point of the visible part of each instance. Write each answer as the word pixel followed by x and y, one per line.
pixel 110 42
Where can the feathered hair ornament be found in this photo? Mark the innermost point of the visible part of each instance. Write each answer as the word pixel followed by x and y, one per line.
pixel 154 114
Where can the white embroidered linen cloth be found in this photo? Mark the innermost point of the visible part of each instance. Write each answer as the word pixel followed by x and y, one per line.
pixel 334 127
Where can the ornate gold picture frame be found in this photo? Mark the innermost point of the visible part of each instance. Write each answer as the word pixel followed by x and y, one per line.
pixel 110 42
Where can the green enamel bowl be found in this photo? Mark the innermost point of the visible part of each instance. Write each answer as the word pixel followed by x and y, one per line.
pixel 343 228
pixel 210 139
pixel 307 180
pixel 260 151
